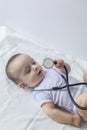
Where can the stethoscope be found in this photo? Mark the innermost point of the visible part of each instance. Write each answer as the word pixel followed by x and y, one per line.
pixel 48 63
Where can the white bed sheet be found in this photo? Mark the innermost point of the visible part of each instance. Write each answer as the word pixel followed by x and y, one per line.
pixel 18 110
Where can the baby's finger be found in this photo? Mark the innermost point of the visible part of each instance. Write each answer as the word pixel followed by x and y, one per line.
pixel 55 62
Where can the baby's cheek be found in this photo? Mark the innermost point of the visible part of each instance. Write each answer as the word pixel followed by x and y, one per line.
pixel 33 78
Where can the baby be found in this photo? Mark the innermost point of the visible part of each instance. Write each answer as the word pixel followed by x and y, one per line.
pixel 26 72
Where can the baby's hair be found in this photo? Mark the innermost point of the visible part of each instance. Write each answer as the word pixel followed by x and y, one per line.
pixel 10 75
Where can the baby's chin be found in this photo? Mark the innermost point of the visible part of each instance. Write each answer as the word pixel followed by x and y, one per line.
pixel 40 79
pixel 38 83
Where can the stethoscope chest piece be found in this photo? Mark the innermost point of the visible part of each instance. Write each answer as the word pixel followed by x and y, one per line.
pixel 48 63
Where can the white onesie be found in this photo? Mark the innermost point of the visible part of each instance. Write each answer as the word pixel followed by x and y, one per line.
pixel 60 98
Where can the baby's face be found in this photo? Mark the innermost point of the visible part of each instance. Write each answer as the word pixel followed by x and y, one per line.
pixel 29 71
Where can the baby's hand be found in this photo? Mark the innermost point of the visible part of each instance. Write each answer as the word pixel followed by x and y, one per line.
pixel 77 120
pixel 59 63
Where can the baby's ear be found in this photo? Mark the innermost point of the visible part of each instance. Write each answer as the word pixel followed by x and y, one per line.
pixel 22 85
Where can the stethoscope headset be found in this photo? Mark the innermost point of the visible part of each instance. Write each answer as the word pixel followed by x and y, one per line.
pixel 48 63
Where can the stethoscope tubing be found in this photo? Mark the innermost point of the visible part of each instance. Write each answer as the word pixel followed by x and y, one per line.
pixel 67 83
pixel 58 88
pixel 68 89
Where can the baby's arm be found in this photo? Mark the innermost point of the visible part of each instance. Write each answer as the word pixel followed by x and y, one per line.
pixel 59 65
pixel 61 116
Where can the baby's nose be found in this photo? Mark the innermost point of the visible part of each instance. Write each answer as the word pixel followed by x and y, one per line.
pixel 35 68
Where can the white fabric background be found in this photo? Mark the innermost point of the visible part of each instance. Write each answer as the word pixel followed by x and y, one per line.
pixel 18 110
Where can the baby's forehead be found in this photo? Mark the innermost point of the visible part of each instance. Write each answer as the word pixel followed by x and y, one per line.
pixel 23 59
pixel 20 63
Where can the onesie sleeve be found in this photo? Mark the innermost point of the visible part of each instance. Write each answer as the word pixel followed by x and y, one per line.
pixel 42 97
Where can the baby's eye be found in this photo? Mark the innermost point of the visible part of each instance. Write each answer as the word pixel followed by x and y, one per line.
pixel 34 63
pixel 28 70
